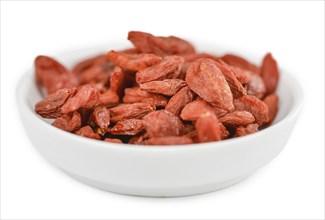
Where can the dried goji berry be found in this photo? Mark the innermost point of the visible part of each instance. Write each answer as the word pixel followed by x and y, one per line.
pixel 270 73
pixel 171 140
pixel 161 46
pixel 50 107
pixel 249 129
pixel 243 76
pixel 237 118
pixel 208 128
pixel 68 122
pixel 86 131
pixel 205 79
pixel 52 75
pixel 113 140
pixel 236 87
pixel 128 111
pixel 193 110
pixel 190 58
pixel 128 127
pixel 136 95
pixel 168 68
pixel 95 70
pixel 85 64
pixel 86 97
pixel 179 100
pixel 256 86
pixel 167 87
pixel 240 62
pixel 162 123
pixel 108 98
pixel 100 119
pixel 194 56
pixel 255 106
pixel 272 102
pixel 117 81
pixel 139 139
pixel 134 62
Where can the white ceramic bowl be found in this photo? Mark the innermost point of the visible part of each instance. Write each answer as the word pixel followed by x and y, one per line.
pixel 155 170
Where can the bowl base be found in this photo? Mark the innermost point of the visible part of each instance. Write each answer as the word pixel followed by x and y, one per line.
pixel 158 192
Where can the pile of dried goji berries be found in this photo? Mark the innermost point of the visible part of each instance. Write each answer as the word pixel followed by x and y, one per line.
pixel 161 92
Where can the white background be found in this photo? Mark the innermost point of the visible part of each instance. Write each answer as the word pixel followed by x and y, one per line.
pixel 291 186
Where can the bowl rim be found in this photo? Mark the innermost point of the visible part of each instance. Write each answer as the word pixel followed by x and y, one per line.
pixel 26 81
